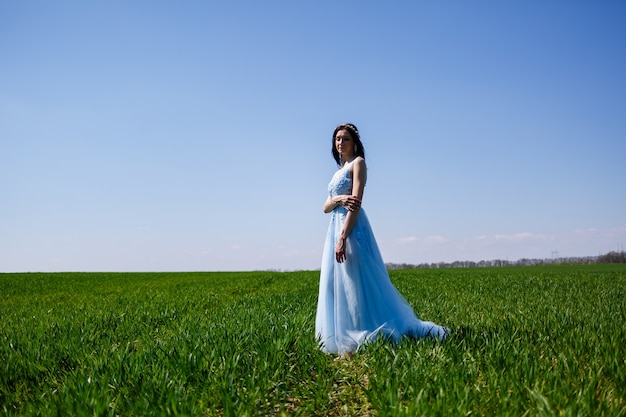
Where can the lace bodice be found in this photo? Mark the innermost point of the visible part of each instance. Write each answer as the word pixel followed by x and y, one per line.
pixel 341 183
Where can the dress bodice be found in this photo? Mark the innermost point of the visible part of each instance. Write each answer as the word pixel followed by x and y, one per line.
pixel 341 183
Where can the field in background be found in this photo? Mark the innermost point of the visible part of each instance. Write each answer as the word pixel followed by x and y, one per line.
pixel 526 340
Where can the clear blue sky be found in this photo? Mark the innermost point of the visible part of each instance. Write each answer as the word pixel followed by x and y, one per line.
pixel 161 135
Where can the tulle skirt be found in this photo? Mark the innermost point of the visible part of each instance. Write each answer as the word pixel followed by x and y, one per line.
pixel 357 301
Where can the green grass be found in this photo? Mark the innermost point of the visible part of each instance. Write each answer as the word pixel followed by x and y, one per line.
pixel 525 341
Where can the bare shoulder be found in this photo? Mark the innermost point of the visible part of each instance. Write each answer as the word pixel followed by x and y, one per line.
pixel 359 163
pixel 359 170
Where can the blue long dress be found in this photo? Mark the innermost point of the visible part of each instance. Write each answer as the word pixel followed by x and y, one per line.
pixel 357 301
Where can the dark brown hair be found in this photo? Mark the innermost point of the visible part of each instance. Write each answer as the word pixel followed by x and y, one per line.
pixel 354 133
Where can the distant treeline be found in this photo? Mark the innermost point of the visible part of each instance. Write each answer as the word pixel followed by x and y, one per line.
pixel 609 258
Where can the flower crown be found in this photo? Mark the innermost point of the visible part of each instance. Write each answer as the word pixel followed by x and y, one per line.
pixel 351 127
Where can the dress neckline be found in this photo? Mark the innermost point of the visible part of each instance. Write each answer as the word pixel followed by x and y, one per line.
pixel 347 164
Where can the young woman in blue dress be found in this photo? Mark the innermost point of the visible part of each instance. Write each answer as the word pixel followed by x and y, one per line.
pixel 357 301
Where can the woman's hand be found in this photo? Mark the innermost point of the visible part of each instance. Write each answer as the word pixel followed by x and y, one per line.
pixel 350 202
pixel 340 250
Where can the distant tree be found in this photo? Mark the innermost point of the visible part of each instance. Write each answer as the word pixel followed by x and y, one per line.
pixel 612 258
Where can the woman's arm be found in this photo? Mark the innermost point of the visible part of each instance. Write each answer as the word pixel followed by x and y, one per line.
pixel 359 174
pixel 350 202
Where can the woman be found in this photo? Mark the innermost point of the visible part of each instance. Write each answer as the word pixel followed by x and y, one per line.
pixel 357 301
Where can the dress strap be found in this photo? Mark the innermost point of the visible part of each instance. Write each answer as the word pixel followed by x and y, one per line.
pixel 349 167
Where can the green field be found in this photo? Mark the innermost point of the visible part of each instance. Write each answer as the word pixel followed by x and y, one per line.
pixel 526 341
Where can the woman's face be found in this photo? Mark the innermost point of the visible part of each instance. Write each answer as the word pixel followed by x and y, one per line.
pixel 344 143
